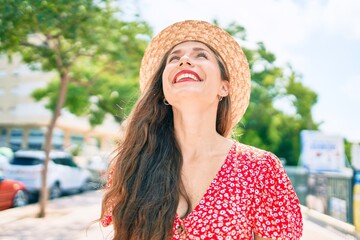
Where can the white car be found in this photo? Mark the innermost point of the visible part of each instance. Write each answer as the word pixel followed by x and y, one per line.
pixel 4 161
pixel 98 166
pixel 64 176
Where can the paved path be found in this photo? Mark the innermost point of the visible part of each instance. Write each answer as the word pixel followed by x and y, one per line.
pixel 67 218
pixel 70 218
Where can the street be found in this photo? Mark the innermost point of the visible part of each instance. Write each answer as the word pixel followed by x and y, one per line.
pixel 71 218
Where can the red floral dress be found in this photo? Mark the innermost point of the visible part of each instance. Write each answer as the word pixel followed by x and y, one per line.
pixel 251 194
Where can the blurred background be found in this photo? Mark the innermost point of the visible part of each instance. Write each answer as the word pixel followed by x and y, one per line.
pixel 69 78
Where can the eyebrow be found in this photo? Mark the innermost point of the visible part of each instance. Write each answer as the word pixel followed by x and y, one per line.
pixel 196 49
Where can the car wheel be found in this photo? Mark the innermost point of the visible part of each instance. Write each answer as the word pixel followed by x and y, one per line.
pixel 21 198
pixel 55 191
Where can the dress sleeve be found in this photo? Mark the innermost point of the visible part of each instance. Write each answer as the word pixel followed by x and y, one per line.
pixel 276 209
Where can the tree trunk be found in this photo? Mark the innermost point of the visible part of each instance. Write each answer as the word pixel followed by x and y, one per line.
pixel 48 143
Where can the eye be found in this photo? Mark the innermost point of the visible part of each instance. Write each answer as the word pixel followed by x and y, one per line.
pixel 202 55
pixel 173 58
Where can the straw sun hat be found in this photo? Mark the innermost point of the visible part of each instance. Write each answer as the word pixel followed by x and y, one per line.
pixel 218 39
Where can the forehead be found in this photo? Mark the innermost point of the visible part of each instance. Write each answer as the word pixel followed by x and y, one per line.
pixel 191 45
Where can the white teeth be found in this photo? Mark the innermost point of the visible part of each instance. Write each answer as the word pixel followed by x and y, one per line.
pixel 187 75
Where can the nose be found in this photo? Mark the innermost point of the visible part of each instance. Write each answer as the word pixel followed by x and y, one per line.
pixel 185 61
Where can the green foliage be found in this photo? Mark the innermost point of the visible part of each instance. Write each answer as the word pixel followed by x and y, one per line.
pixel 348 146
pixel 84 40
pixel 49 92
pixel 265 125
pixel 303 99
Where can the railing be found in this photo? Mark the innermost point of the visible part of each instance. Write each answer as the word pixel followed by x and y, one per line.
pixel 330 193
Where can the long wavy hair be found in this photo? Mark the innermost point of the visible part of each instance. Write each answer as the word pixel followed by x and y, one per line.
pixel 146 181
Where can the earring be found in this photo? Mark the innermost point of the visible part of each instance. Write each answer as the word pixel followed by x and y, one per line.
pixel 220 98
pixel 165 102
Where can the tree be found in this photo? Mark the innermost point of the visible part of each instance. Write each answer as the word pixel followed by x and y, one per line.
pixel 265 124
pixel 83 41
pixel 348 146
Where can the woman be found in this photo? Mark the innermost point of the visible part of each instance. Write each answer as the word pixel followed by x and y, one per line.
pixel 177 174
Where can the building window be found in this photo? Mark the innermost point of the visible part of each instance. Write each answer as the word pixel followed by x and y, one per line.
pixel 16 135
pixel 3 134
pixel 77 139
pixel 76 144
pixel 36 138
pixel 58 139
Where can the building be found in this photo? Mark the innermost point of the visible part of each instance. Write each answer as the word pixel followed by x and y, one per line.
pixel 23 121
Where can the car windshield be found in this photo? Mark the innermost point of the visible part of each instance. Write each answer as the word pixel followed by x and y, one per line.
pixel 26 161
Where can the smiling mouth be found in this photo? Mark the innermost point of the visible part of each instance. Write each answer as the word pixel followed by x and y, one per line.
pixel 186 76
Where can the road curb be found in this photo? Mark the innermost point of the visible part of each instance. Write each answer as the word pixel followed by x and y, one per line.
pixel 324 219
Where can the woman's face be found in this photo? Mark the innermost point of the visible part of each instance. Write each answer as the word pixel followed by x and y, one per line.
pixel 192 73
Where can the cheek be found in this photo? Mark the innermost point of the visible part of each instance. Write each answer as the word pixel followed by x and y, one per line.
pixel 164 80
pixel 216 71
pixel 165 74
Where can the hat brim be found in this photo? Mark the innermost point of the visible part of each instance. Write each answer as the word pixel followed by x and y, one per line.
pixel 216 38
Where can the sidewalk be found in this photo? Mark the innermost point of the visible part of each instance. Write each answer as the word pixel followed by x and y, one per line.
pixel 318 226
pixel 71 218
pixel 68 218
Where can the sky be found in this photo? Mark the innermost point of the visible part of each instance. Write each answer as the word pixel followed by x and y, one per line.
pixel 319 38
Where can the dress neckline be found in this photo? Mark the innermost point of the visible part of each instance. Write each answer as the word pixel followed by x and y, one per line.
pixel 212 184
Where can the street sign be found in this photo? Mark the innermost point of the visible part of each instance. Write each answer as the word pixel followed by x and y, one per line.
pixel 322 152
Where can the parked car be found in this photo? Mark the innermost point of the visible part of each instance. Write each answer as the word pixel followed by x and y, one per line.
pixel 3 162
pixel 12 193
pixel 64 175
pixel 98 167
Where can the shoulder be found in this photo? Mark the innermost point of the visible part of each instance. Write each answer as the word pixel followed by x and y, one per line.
pixel 251 154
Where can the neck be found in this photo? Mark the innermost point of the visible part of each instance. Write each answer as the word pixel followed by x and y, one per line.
pixel 195 130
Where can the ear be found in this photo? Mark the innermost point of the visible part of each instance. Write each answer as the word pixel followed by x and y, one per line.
pixel 224 88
